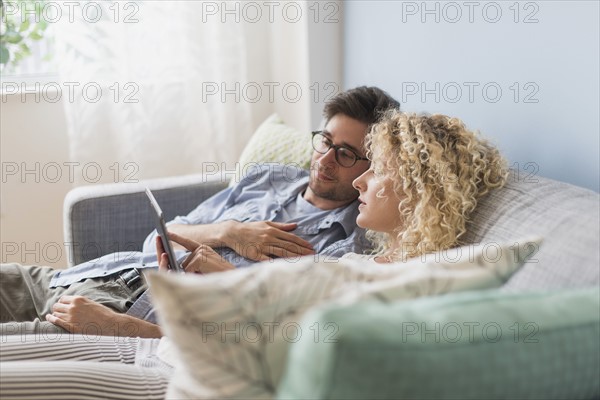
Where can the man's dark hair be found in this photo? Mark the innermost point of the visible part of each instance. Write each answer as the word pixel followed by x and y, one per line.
pixel 365 104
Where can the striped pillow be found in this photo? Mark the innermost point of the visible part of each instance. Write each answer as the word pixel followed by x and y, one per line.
pixel 228 333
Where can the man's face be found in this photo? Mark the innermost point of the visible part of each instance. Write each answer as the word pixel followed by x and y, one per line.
pixel 330 184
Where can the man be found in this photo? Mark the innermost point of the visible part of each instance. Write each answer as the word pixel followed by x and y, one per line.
pixel 275 211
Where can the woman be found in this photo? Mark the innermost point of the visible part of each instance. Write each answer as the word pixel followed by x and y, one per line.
pixel 427 174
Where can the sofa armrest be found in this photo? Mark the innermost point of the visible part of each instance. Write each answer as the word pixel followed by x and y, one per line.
pixel 102 219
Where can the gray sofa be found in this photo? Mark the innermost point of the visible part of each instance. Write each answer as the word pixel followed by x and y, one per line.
pixel 564 364
pixel 101 219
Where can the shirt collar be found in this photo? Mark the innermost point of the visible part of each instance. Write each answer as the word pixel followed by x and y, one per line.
pixel 345 216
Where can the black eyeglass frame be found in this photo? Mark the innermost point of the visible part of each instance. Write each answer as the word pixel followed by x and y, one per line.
pixel 335 147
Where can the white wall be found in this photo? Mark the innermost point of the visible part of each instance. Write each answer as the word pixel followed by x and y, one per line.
pixel 402 49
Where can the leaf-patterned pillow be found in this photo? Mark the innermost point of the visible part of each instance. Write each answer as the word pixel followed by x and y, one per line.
pixel 228 333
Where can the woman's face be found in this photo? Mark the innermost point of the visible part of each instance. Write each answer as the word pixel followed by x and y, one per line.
pixel 378 213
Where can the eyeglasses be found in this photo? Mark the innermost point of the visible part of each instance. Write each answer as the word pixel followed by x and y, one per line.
pixel 343 155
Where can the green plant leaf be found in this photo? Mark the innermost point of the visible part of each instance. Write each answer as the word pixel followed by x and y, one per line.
pixel 12 37
pixel 24 26
pixel 10 26
pixel 24 49
pixel 4 55
pixel 19 34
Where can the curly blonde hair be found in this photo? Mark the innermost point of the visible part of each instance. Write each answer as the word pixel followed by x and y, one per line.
pixel 439 170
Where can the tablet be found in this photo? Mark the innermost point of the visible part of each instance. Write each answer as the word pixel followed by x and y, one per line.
pixel 161 228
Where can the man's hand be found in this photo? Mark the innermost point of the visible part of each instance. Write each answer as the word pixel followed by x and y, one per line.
pixel 260 241
pixel 202 260
pixel 257 241
pixel 78 314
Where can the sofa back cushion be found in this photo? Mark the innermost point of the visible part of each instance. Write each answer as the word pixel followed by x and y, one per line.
pixel 566 216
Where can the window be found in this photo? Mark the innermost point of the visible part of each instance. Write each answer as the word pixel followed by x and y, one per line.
pixel 27 44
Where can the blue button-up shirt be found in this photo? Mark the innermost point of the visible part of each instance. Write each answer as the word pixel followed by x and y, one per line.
pixel 266 193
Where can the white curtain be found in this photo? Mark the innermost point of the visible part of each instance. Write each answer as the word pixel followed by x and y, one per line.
pixel 178 85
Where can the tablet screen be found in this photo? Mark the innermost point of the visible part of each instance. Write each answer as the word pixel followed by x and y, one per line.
pixel 161 228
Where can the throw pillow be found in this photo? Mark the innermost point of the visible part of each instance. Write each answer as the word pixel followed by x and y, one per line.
pixel 487 344
pixel 276 142
pixel 231 330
